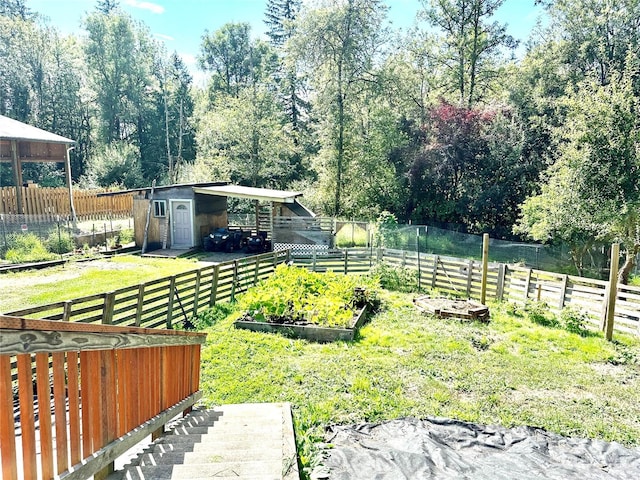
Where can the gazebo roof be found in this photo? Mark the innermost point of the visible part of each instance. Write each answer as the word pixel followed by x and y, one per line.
pixel 261 194
pixel 14 130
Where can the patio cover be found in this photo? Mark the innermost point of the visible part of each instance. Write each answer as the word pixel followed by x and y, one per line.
pixel 21 143
pixel 252 193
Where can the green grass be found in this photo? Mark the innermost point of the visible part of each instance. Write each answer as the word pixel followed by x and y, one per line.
pixel 352 235
pixel 73 280
pixel 509 372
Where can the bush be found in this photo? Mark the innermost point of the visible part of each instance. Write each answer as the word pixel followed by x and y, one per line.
pixel 125 236
pixel 60 243
pixel 211 316
pixel 27 247
pixel 538 312
pixel 396 278
pixel 574 320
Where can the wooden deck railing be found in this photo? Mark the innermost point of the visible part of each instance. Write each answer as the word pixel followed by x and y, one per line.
pixel 84 394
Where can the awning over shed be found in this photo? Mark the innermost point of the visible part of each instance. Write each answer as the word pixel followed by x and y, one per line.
pixel 259 194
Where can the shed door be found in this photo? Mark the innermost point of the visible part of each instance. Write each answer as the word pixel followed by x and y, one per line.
pixel 181 220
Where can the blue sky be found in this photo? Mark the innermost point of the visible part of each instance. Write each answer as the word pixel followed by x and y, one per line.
pixel 181 23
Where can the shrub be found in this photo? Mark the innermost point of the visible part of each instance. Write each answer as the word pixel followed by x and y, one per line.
pixel 211 316
pixel 396 278
pixel 126 236
pixel 60 243
pixel 27 247
pixel 538 312
pixel 574 320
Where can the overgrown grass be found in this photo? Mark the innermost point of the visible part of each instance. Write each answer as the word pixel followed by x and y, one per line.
pixel 512 371
pixel 351 235
pixel 73 280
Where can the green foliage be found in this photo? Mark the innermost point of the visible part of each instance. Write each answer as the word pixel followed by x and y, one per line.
pixel 28 247
pixel 397 279
pixel 60 242
pixel 574 320
pixel 351 235
pixel 295 294
pixel 212 315
pixel 538 312
pixel 126 235
pixel 118 165
pixel 385 229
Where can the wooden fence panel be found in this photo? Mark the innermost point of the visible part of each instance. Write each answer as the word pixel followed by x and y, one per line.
pixel 47 203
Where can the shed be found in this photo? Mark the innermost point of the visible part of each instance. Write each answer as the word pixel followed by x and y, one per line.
pixel 182 215
pixel 20 143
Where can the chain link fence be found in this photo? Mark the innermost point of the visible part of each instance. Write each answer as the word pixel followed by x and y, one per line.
pixel 554 258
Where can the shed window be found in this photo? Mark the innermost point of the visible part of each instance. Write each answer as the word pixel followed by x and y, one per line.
pixel 159 208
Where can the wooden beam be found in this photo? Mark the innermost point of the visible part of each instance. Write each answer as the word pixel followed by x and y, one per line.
pixel 17 175
pixel 15 342
pixel 15 323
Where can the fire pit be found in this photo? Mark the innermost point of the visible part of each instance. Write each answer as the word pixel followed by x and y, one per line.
pixel 453 308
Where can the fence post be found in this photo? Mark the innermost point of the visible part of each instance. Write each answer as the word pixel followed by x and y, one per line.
pixel 379 256
pixel 107 313
pixel 563 291
pixel 527 283
pixel 234 280
pixel 314 260
pixel 196 293
pixel 257 270
pixel 485 267
pixel 214 285
pixel 469 277
pixel 172 295
pixel 140 304
pixel 66 316
pixel 613 291
pixel 434 277
pixel 502 273
pixel 346 261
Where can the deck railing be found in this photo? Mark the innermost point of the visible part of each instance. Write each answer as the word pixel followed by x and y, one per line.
pixel 84 394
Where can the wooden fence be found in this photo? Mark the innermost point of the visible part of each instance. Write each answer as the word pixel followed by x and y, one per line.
pixel 47 203
pixel 504 282
pixel 85 394
pixel 166 301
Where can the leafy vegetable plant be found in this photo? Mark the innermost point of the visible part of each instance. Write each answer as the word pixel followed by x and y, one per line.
pixel 296 295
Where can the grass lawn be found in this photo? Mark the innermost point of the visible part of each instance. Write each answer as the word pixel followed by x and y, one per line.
pixel 509 372
pixel 77 279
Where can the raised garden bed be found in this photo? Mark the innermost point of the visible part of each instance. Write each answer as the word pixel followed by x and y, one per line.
pixel 307 331
pixel 313 306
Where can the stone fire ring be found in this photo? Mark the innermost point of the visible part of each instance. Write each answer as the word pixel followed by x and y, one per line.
pixel 453 308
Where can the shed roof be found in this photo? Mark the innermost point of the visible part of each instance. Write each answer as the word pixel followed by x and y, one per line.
pixel 261 194
pixel 14 130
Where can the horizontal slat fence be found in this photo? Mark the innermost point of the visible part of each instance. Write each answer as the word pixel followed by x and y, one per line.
pixel 47 203
pixel 504 282
pixel 163 302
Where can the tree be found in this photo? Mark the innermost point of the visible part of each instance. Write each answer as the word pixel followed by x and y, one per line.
pixel 594 185
pixel 471 47
pixel 15 9
pixel 235 60
pixel 279 18
pixel 338 42
pixel 595 36
pixel 243 141
pixel 107 7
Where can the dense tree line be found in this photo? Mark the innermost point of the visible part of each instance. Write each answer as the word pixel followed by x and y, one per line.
pixel 439 123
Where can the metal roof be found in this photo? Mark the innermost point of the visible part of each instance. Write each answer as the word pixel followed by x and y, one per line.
pixel 14 130
pixel 261 194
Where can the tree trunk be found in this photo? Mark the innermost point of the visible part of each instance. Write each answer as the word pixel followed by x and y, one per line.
pixel 629 263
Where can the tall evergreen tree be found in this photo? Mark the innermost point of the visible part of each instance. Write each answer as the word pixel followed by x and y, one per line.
pixel 107 6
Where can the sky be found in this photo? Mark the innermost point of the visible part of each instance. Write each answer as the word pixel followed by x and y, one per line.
pixel 180 24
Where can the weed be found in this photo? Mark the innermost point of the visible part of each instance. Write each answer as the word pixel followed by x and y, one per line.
pixel 26 248
pixel 538 312
pixel 396 278
pixel 574 320
pixel 212 315
pixel 60 242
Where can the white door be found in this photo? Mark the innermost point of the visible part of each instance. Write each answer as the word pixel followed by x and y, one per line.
pixel 181 221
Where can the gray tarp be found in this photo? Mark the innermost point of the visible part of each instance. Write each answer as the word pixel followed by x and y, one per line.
pixel 448 449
